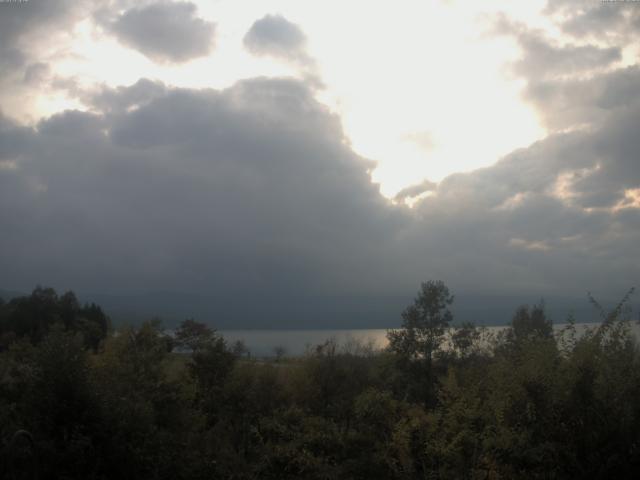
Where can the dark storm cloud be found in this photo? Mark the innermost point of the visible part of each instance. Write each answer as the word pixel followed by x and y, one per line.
pixel 165 31
pixel 251 196
pixel 250 188
pixel 14 139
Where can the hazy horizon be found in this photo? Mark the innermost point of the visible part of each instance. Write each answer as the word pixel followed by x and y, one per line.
pixel 342 313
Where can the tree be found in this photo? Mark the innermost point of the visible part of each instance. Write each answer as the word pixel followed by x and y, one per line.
pixel 94 325
pixel 33 317
pixel 424 323
pixel 464 338
pixel 61 407
pixel 210 364
pixel 149 420
pixel 194 336
pixel 415 344
pixel 531 323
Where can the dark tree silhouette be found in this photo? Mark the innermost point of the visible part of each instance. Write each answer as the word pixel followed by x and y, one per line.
pixel 424 323
pixel 416 343
pixel 531 322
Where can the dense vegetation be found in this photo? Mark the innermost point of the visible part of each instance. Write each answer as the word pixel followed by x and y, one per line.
pixel 80 401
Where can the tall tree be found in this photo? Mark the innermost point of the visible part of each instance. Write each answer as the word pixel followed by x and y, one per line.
pixel 531 323
pixel 422 333
pixel 424 323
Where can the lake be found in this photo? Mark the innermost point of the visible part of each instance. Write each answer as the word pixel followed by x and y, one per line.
pixel 261 343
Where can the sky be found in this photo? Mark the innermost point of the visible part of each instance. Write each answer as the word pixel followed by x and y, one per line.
pixel 310 163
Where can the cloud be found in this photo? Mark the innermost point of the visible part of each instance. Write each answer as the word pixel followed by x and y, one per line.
pixel 276 36
pixel 603 21
pixel 251 196
pixel 423 139
pixel 544 58
pixel 165 32
pixel 26 27
pixel 121 99
pixel 36 73
pixel 562 209
pixel 250 188
pixel 32 38
pixel 575 86
pixel 22 19
pixel 414 191
pixel 572 103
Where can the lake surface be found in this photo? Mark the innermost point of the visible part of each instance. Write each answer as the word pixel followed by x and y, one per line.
pixel 262 343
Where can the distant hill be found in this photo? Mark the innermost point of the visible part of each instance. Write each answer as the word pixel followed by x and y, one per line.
pixel 330 312
pixel 7 295
pixel 324 312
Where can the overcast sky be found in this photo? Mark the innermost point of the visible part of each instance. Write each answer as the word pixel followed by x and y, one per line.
pixel 249 150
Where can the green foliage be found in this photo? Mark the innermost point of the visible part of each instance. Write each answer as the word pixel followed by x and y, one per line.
pixel 424 323
pixel 423 331
pixel 528 323
pixel 193 336
pixel 33 316
pixel 329 380
pixel 464 338
pixel 440 403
